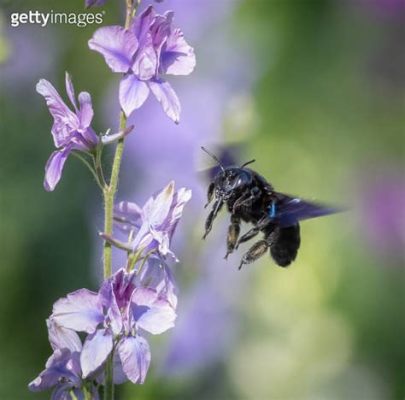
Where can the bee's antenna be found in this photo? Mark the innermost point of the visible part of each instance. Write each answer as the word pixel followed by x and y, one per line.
pixel 214 157
pixel 247 163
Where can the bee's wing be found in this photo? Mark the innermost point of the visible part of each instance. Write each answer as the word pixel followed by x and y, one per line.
pixel 208 173
pixel 289 210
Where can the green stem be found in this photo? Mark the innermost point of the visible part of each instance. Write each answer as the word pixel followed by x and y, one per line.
pixel 132 6
pixel 133 259
pixel 109 381
pixel 109 195
pixel 87 394
pixel 98 167
pixel 144 259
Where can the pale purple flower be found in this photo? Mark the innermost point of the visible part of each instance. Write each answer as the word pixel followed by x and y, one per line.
pixel 156 274
pixel 115 317
pixel 153 225
pixel 150 48
pixel 71 130
pixel 63 372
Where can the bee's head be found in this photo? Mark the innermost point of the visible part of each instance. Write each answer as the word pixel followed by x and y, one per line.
pixel 232 180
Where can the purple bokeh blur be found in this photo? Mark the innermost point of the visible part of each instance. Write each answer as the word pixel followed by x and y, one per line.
pixel 381 195
pixel 32 53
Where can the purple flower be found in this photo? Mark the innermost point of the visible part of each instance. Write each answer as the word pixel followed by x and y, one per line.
pixel 70 130
pixel 157 274
pixel 115 318
pixel 63 371
pixel 155 222
pixel 150 48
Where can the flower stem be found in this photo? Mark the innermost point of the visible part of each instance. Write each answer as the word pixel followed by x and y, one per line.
pixel 109 195
pixel 98 167
pixel 109 381
pixel 87 394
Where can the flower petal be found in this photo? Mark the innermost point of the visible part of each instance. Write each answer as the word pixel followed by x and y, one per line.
pixel 151 313
pixel 55 369
pixel 54 168
pixel 157 275
pixel 62 392
pixel 132 93
pixel 80 311
pixel 141 24
pixel 95 351
pixel 119 375
pixel 62 338
pixel 158 318
pixel 181 197
pixel 109 302
pixel 109 138
pixel 146 61
pixel 143 296
pixel 117 45
pixel 156 209
pixel 135 356
pixel 127 215
pixel 143 238
pixel 167 97
pixel 160 29
pixel 65 121
pixel 178 56
pixel 86 112
pixel 70 90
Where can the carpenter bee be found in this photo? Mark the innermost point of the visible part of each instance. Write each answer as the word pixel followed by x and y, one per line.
pixel 250 198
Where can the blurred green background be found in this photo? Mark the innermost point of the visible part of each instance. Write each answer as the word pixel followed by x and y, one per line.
pixel 326 118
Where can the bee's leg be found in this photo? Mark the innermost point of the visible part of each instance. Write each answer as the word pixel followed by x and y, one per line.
pixel 263 223
pixel 246 199
pixel 247 236
pixel 238 203
pixel 210 193
pixel 211 216
pixel 255 252
pixel 260 247
pixel 233 234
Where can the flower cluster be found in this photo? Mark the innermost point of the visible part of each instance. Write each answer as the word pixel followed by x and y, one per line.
pixel 150 228
pixel 114 318
pixel 71 130
pixel 63 371
pixel 144 52
pixel 129 303
pixel 98 338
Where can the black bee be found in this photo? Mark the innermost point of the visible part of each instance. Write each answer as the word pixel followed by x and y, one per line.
pixel 250 198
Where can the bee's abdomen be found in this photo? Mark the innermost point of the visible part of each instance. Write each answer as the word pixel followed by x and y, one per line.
pixel 285 244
